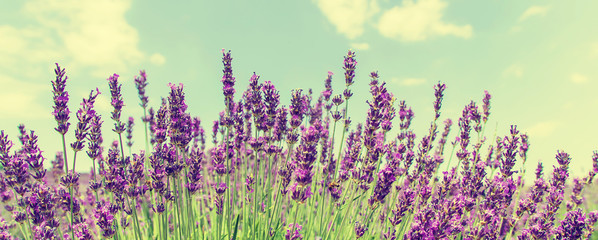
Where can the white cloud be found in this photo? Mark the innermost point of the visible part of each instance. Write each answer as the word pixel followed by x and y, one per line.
pixel 578 78
pixel 84 33
pixel 534 11
pixel 542 129
pixel 514 70
pixel 417 21
pixel 360 46
pixel 157 59
pixel 20 99
pixel 348 16
pixel 408 81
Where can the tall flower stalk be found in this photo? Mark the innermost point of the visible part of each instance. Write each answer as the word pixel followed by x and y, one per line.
pixel 260 177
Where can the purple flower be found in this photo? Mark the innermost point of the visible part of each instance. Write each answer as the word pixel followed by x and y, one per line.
pixel 351 154
pixel 161 127
pixel 542 224
pixel 157 172
pixel 386 178
pixel 438 93
pixel 84 115
pixel 219 198
pixel 297 108
pixel 33 155
pixel 116 102
pixel 227 79
pixel 486 105
pixel 508 159
pixel 194 175
pixel 280 127
pixel 573 226
pixel 405 115
pixel 405 204
pixel 95 138
pixel 5 145
pixel 349 66
pixel 328 87
pixel 180 121
pixel 271 101
pixel 105 219
pixel 61 98
pixel 447 128
pixel 360 230
pixel 70 179
pixel 576 199
pixel 306 156
pixel 536 195
pixel 140 84
pixel 594 170
pixel 130 125
pixel 300 193
pixel 82 232
pixel 294 232
pixel 285 174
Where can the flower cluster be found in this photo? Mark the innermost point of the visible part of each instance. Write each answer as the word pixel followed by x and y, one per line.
pixel 282 170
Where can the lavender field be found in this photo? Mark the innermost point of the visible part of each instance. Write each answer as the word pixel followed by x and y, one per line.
pixel 285 166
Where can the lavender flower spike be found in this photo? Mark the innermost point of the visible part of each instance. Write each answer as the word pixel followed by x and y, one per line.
pixel 130 125
pixel 438 93
pixel 349 66
pixel 84 115
pixel 227 79
pixel 117 103
pixel 140 84
pixel 61 99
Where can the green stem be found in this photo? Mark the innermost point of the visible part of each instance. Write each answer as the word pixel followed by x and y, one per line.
pixel 135 220
pixel 66 162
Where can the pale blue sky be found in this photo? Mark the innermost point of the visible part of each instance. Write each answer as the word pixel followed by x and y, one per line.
pixel 537 58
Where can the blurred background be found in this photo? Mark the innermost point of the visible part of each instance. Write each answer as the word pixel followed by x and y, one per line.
pixel 537 58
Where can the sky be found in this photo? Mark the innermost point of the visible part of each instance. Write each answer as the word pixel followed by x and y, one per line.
pixel 537 58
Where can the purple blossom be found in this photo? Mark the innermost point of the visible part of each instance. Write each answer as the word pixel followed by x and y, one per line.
pixel 219 198
pixel 297 108
pixel 306 156
pixel 508 159
pixel 405 115
pixel 129 135
pixel 161 128
pixel 294 232
pixel 486 105
pixel 386 178
pixel 61 98
pixel 194 175
pixel 349 66
pixel 227 79
pixel 572 226
pixel 116 102
pixel 447 128
pixel 5 145
pixel 180 121
pixel 105 219
pixel 33 155
pixel 140 84
pixel 438 93
pixel 405 204
pixel 328 87
pixel 594 169
pixel 84 115
pixel 271 101
pixel 360 230
pixel 95 138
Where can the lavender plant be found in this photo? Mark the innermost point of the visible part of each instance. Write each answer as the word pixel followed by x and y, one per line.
pixel 275 171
